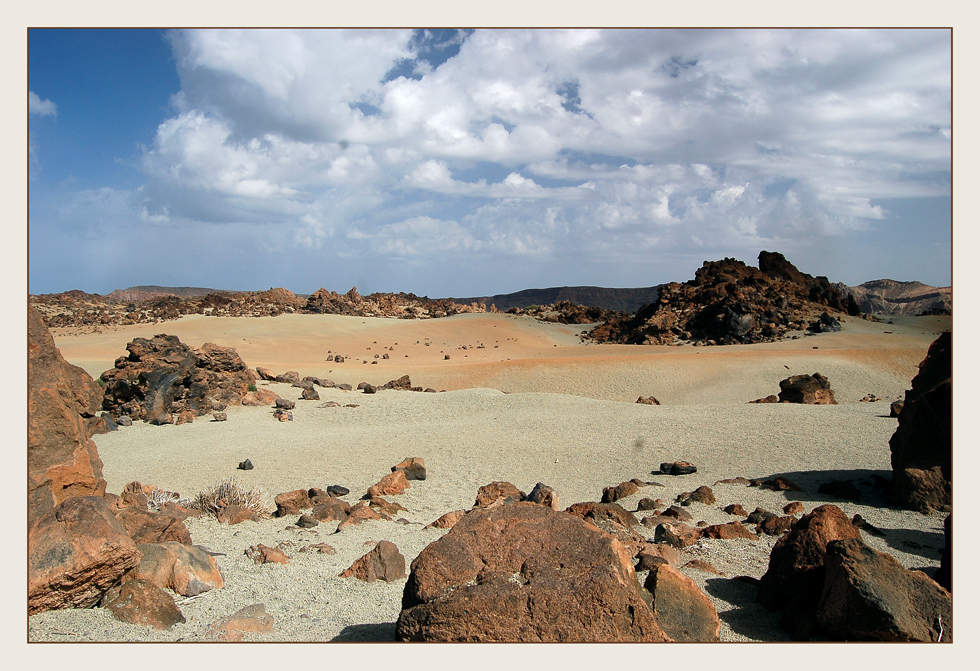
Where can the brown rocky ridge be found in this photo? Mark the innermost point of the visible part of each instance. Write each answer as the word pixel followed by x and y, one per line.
pixel 729 302
pixel 79 309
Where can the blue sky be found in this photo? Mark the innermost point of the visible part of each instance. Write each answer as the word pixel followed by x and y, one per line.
pixel 457 163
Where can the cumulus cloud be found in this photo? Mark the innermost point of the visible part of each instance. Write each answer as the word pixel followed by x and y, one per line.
pixel 568 143
pixel 39 107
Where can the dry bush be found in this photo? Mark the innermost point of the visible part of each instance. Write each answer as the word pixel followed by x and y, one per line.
pixel 231 492
pixel 158 497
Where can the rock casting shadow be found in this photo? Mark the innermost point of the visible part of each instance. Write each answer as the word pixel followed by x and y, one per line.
pixel 747 618
pixel 928 544
pixel 869 482
pixel 381 632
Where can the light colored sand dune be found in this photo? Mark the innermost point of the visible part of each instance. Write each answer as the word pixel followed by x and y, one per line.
pixel 589 436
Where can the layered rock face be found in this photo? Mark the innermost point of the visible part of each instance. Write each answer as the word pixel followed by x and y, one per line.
pixel 62 402
pixel 922 445
pixel 523 572
pixel 163 377
pixel 730 302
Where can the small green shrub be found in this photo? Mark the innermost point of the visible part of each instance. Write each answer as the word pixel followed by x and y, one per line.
pixel 252 387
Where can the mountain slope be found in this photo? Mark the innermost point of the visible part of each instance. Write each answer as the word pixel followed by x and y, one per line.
pixel 890 297
pixel 622 300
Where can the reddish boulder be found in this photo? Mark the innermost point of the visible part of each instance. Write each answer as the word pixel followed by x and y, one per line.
pixel 260 397
pixel 76 551
pixel 702 494
pixel 414 467
pixel 521 573
pixel 447 521
pixel 922 445
pixel 248 619
pixel 235 514
pixel 141 602
pixel 652 554
pixel 186 569
pixel 735 509
pixel 384 562
pixel 775 525
pixel 62 403
pixel 793 508
pixel 162 377
pixel 544 495
pixel 868 596
pixel 684 612
pixel 808 389
pixel 330 509
pixel 796 563
pixel 263 554
pixel 678 535
pixel 727 531
pixel 392 484
pixel 620 491
pixel 360 514
pixel 146 527
pixel 613 519
pixel 291 503
pixel 497 491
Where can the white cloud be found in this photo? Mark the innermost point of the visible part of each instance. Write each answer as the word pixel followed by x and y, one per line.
pixel 543 142
pixel 40 107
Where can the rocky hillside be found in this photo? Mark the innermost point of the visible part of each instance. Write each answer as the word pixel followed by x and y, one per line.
pixel 889 297
pixel 619 300
pixel 79 309
pixel 730 302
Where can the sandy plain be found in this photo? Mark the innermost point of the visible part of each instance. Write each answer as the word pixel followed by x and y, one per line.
pixel 521 401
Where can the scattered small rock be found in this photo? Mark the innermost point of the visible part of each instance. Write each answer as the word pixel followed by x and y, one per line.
pixel 245 465
pixel 677 468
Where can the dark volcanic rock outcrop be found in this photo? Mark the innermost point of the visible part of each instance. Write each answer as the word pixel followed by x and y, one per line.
pixel 922 445
pixel 62 402
pixel 869 596
pixel 163 377
pixel 521 573
pixel 730 302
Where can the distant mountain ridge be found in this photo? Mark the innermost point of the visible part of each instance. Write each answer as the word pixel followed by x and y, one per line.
pixel 891 297
pixel 623 300
pixel 146 292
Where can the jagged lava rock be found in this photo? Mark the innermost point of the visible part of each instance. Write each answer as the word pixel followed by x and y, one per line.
pixel 796 563
pixel 683 610
pixel 922 445
pixel 869 596
pixel 162 376
pixel 520 573
pixel 383 562
pixel 76 552
pixel 807 389
pixel 141 602
pixel 186 569
pixel 62 402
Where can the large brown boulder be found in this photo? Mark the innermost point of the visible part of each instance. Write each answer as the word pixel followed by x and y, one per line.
pixel 76 551
pixel 922 445
pixel 62 402
pixel 147 527
pixel 384 562
pixel 142 602
pixel 796 563
pixel 868 596
pixel 808 389
pixel 524 572
pixel 186 569
pixel 683 610
pixel 162 377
